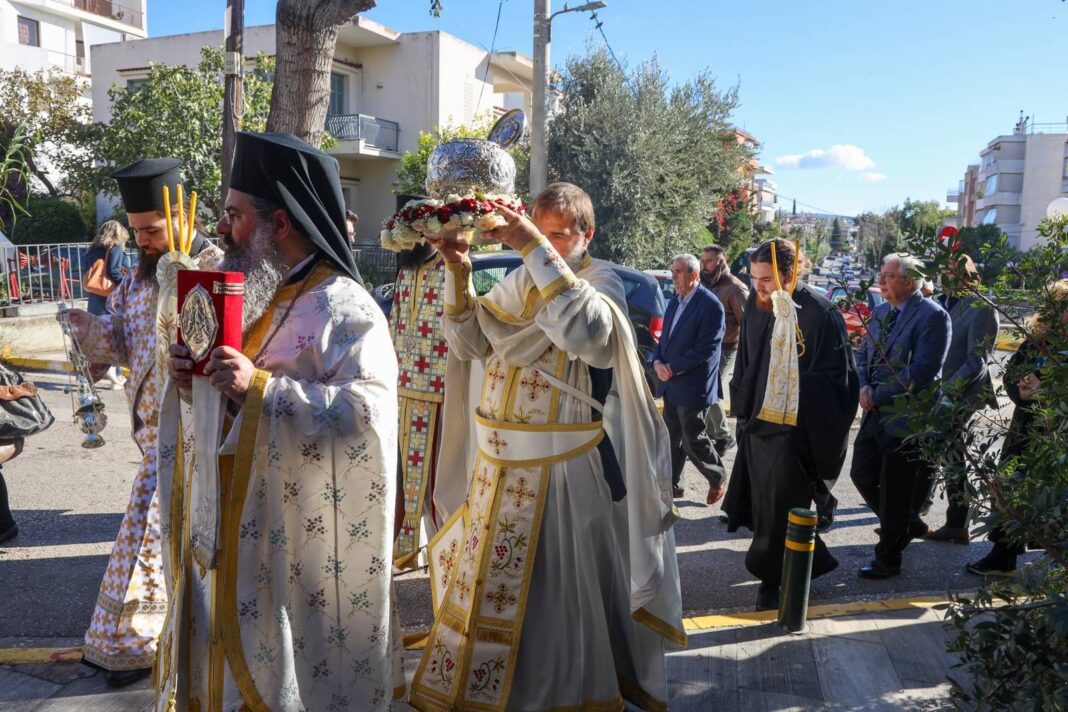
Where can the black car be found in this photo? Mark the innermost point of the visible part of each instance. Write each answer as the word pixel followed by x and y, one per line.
pixel 645 302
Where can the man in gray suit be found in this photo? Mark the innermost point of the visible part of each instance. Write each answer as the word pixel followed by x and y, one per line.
pixel 966 375
pixel 902 353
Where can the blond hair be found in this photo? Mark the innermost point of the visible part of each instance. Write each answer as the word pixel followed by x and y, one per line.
pixel 567 200
pixel 1057 293
pixel 111 233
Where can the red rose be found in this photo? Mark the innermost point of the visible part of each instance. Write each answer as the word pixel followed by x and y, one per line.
pixel 444 214
pixel 485 206
pixel 468 205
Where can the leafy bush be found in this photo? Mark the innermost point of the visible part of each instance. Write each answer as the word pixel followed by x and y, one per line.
pixel 50 220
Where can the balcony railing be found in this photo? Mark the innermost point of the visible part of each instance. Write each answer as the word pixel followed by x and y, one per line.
pixel 373 131
pixel 105 8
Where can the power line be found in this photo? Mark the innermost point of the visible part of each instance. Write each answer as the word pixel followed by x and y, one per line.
pixel 489 59
pixel 472 34
pixel 600 28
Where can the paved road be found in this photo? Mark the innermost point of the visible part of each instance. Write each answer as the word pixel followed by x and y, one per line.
pixel 69 501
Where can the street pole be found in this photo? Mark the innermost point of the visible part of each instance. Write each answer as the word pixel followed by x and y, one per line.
pixel 539 160
pixel 233 99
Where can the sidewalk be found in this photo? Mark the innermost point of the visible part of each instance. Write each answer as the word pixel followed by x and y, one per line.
pixel 876 655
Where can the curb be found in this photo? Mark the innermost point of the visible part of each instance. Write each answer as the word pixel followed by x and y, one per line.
pixel 830 610
pixel 23 656
pixel 27 363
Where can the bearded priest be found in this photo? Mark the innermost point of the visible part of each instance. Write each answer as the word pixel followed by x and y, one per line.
pixel 278 545
pixel 795 393
pixel 130 608
pixel 563 588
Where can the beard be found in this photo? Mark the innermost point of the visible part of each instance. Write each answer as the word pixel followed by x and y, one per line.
pixel 711 278
pixel 575 256
pixel 146 264
pixel 263 267
pixel 410 259
pixel 763 303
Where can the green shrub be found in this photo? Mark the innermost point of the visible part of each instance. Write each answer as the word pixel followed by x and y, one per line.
pixel 50 220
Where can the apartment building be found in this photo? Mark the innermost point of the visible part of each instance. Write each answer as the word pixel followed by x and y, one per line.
pixel 386 87
pixel 45 34
pixel 1017 177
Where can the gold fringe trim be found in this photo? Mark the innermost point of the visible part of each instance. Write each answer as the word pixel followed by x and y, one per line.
pixel 662 628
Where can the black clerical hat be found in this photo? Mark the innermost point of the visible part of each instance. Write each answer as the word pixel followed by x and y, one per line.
pixel 141 184
pixel 305 181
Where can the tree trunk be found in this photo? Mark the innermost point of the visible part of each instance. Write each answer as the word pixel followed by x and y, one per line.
pixel 305 37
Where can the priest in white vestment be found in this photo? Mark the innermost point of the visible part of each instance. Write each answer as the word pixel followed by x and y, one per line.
pixel 556 584
pixel 278 542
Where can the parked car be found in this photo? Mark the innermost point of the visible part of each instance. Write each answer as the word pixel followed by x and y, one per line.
pixel 663 279
pixel 855 310
pixel 645 299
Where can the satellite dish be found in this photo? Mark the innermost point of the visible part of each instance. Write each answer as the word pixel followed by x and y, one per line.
pixel 1058 207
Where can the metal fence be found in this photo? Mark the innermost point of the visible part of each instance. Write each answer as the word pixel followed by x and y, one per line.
pixel 42 273
pixel 35 274
pixel 376 132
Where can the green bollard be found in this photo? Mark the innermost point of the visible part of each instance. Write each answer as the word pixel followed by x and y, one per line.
pixel 797 569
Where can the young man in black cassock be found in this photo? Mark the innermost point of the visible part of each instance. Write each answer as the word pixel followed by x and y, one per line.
pixel 787 443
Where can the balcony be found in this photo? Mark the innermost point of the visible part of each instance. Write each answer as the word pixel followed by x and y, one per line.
pixel 364 135
pixel 953 196
pixel 132 16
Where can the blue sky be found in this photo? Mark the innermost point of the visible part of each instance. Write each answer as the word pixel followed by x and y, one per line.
pixel 858 104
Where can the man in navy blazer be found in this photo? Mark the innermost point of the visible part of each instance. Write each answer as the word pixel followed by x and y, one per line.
pixel 903 352
pixel 686 361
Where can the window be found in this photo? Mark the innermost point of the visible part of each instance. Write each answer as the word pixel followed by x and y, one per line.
pixel 29 32
pixel 484 279
pixel 133 85
pixel 991 185
pixel 337 94
pixel 1065 174
pixel 991 216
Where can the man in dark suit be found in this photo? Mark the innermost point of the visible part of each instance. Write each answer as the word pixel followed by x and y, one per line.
pixel 966 373
pixel 686 361
pixel 902 353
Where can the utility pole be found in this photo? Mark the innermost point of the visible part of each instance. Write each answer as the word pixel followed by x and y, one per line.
pixel 233 97
pixel 539 157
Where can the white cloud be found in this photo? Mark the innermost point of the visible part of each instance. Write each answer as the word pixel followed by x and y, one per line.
pixel 839 155
pixel 873 177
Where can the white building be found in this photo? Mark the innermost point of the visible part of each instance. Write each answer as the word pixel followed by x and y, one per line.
pixel 44 34
pixel 765 196
pixel 386 87
pixel 1017 178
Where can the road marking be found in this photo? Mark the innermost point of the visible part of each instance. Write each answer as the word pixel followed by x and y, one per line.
pixel 831 610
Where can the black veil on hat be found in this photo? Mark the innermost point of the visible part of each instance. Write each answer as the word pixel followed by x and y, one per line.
pixel 141 184
pixel 302 179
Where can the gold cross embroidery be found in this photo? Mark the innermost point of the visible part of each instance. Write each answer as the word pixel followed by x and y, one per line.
pixel 498 443
pixel 495 376
pixel 520 493
pixel 484 483
pixel 501 598
pixel 535 383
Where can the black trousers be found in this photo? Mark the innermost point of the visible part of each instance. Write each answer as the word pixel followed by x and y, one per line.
pixel 779 482
pixel 5 510
pixel 686 430
pixel 894 482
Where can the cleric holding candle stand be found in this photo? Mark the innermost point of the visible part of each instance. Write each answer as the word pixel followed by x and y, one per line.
pixel 293 611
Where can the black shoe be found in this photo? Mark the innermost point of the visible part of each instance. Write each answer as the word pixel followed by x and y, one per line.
pixel 724 519
pixel 10 533
pixel 826 516
pixel 878 570
pixel 723 445
pixel 767 597
pixel 956 535
pixel 987 566
pixel 122 678
pixel 677 491
pixel 823 566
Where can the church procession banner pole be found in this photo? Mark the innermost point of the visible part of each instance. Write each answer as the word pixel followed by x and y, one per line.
pixel 797 569
pixel 233 101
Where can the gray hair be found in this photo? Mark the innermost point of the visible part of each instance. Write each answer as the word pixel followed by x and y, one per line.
pixel 910 266
pixel 690 260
